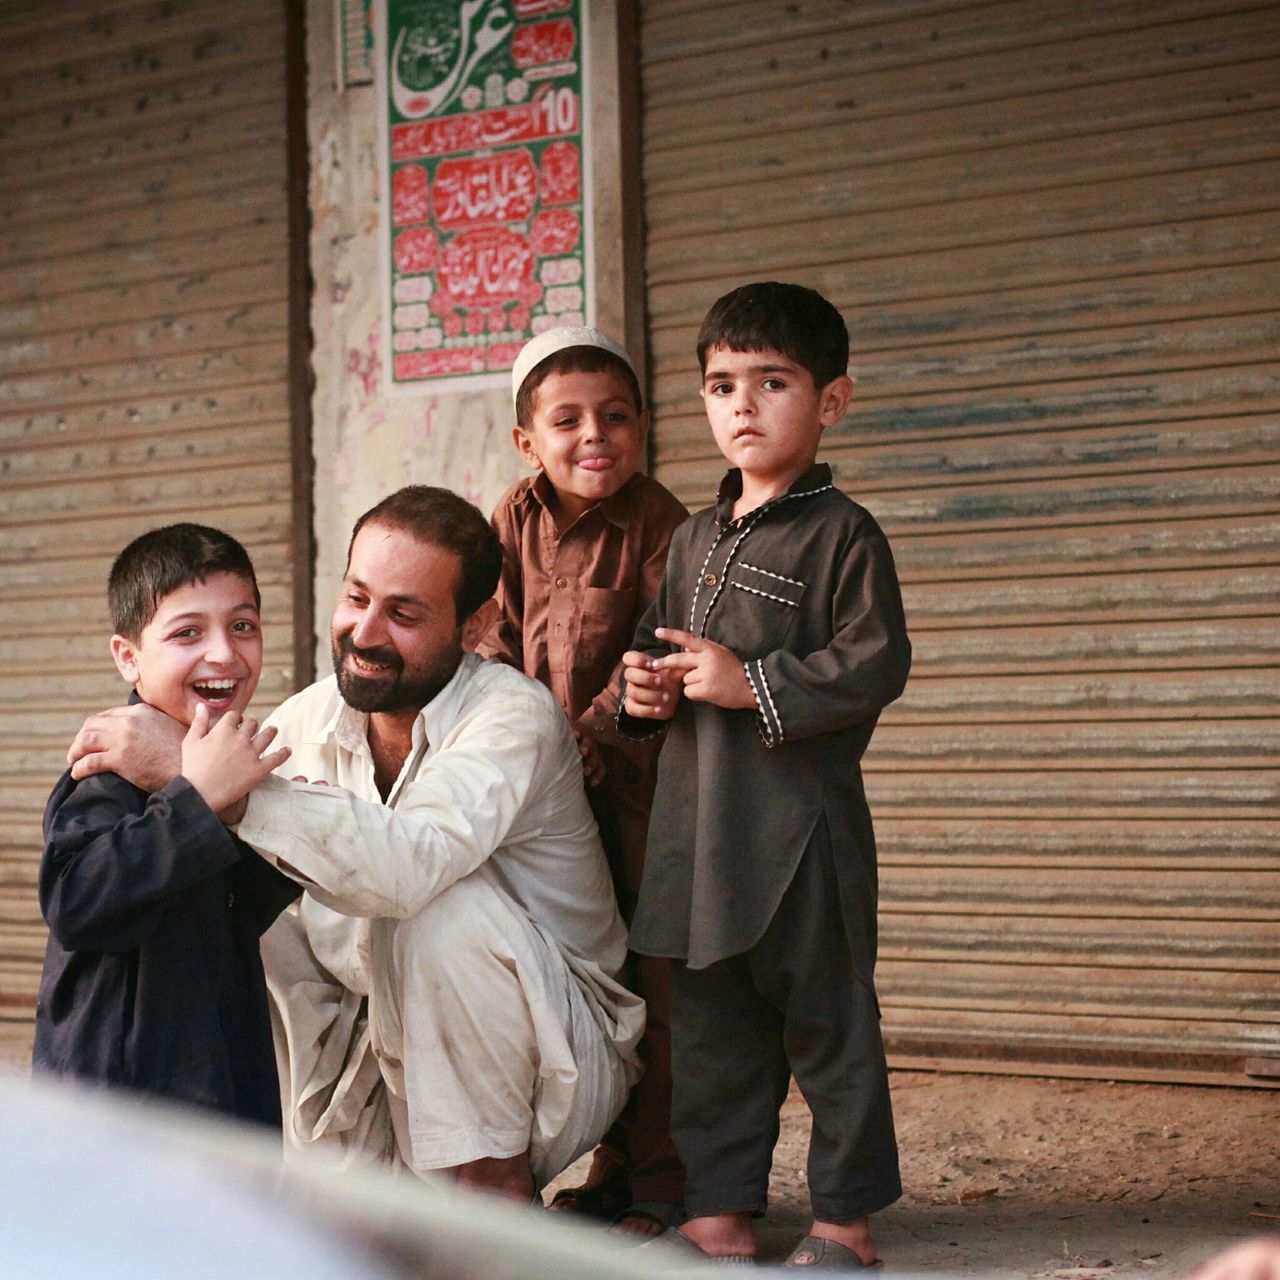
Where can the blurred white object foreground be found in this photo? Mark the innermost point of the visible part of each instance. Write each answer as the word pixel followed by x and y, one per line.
pixel 110 1187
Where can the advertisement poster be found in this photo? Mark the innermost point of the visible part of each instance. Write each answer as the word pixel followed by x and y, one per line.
pixel 483 163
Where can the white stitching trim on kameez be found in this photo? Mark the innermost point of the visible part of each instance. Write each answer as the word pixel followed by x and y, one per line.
pixel 781 577
pixel 733 550
pixel 770 739
pixel 755 591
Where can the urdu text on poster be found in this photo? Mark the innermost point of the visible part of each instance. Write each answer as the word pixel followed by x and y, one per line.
pixel 485 219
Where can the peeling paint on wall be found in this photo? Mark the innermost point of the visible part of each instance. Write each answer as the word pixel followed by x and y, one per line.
pixel 366 444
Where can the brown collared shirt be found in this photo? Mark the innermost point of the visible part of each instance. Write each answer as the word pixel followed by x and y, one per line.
pixel 571 600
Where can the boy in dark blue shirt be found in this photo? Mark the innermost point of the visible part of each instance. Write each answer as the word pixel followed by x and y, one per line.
pixel 152 978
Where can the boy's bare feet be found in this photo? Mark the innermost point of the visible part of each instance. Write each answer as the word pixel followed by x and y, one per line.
pixel 637 1224
pixel 723 1235
pixel 647 1218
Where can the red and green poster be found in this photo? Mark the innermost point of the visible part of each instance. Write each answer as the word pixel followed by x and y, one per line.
pixel 486 219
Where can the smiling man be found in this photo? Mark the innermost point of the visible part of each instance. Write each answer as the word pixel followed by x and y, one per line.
pixel 446 992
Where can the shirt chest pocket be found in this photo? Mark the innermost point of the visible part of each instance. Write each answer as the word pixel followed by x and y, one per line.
pixel 605 622
pixel 768 604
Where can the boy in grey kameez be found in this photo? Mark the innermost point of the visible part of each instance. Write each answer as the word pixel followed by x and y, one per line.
pixel 776 639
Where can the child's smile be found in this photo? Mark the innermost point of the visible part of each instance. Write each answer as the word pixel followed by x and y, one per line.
pixel 203 647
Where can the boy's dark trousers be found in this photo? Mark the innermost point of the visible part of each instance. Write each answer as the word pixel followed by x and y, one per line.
pixel 793 1003
pixel 639 1142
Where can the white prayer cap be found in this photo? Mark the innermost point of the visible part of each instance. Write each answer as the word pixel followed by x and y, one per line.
pixel 547 343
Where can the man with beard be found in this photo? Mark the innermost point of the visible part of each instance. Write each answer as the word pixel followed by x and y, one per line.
pixel 445 994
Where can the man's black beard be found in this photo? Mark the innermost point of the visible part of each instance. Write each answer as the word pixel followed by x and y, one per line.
pixel 393 691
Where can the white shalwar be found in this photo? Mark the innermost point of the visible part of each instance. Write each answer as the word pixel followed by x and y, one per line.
pixel 446 989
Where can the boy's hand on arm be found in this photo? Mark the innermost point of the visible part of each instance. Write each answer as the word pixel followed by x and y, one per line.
pixel 593 767
pixel 652 693
pixel 141 744
pixel 226 762
pixel 709 672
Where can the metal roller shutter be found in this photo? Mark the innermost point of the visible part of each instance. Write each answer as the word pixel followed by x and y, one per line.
pixel 1055 231
pixel 144 373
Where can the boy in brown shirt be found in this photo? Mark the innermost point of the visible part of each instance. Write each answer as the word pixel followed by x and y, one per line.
pixel 584 547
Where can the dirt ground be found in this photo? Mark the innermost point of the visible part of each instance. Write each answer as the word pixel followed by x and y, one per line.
pixel 1058 1179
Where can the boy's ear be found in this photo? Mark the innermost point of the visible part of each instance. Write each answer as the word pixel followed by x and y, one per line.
pixel 643 419
pixel 834 399
pixel 524 446
pixel 476 627
pixel 125 654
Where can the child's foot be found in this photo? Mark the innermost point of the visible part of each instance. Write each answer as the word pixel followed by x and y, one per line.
pixel 647 1218
pixel 723 1235
pixel 853 1246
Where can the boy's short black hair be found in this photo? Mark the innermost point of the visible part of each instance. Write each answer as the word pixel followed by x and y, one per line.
pixel 159 562
pixel 771 316
pixel 574 360
pixel 440 518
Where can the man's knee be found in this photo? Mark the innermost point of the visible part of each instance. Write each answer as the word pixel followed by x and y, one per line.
pixel 464 940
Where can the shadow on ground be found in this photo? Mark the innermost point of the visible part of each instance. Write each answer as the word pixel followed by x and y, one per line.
pixel 1056 1179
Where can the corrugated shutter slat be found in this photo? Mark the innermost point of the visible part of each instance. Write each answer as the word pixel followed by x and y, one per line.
pixel 1054 232
pixel 143 362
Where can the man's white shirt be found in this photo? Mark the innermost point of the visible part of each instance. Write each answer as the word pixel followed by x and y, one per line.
pixel 492 790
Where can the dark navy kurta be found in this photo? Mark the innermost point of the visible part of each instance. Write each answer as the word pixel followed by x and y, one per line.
pixel 152 978
pixel 803 589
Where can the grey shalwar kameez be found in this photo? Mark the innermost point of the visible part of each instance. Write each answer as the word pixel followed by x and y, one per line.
pixel 760 870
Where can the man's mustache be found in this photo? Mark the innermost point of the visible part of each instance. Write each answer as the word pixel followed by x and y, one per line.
pixel 383 657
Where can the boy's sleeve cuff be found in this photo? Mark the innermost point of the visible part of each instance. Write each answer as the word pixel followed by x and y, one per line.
pixel 633 729
pixel 768 722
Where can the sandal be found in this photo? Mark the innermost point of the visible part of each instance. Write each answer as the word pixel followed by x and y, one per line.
pixel 674 1244
pixel 827 1255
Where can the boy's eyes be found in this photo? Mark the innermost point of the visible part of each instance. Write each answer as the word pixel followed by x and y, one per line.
pixel 574 419
pixel 242 627
pixel 726 388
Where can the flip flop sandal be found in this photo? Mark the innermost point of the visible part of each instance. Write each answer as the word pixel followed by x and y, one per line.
pixel 673 1243
pixel 603 1201
pixel 817 1254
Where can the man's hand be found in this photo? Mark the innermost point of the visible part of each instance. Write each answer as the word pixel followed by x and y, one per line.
pixel 709 671
pixel 652 694
pixel 141 744
pixel 593 766
pixel 226 762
